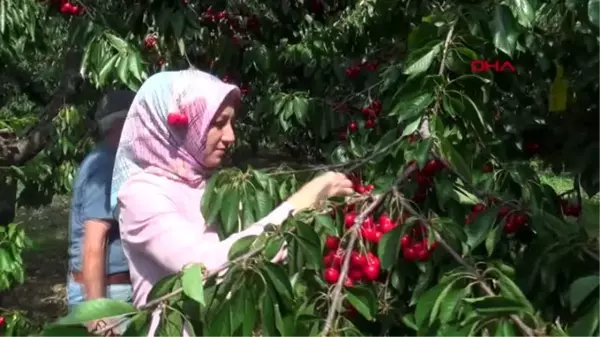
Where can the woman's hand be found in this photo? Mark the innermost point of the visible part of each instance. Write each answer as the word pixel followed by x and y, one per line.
pixel 325 186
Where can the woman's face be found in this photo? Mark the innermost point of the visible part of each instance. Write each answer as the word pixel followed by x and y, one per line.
pixel 220 136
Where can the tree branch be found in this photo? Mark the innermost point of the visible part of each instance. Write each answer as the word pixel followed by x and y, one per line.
pixel 18 150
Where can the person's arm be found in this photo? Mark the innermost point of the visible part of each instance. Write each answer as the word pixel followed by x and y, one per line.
pixel 98 219
pixel 173 241
pixel 94 253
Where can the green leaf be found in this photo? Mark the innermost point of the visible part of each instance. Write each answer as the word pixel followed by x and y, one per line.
pixel 506 328
pixel 210 205
pixel 422 151
pixel 107 69
pixel 96 309
pixel 280 281
pixel 586 325
pixel 117 42
pixel 327 223
pixel 504 30
pixel 509 289
pixel 241 247
pixel 425 305
pixel 423 63
pixel 163 286
pixel 490 305
pixel 264 204
pixel 229 211
pixel 581 289
pixel 477 231
pixel 364 300
pixel 62 330
pixel 268 313
pixel 192 282
pixel 449 152
pixel 310 244
pixel 441 300
pixel 171 323
pixel 411 106
pixel 389 248
pixel 139 325
pixel 492 239
pixel 594 12
pixel 524 12
pixel 451 304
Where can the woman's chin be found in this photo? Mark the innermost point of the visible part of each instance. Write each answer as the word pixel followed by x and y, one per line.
pixel 213 161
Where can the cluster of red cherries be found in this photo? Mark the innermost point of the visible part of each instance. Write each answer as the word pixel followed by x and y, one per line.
pixel 66 7
pixel 235 24
pixel 369 112
pixel 424 177
pixel 570 208
pixel 355 70
pixel 514 219
pixel 365 267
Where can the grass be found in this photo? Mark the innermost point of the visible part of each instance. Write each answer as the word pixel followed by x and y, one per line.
pixel 43 293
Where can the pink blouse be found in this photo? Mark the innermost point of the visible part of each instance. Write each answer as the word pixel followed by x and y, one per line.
pixel 161 233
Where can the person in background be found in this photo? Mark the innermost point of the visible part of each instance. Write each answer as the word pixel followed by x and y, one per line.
pixel 177 132
pixel 97 265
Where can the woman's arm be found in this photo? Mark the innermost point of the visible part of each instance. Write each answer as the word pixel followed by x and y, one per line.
pixel 170 239
pixel 151 224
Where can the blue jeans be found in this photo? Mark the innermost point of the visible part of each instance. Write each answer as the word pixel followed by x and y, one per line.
pixel 76 294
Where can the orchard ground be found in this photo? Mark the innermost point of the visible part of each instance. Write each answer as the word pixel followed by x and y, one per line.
pixel 43 294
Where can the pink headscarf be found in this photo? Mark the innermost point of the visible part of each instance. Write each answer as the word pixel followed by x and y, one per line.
pixel 149 143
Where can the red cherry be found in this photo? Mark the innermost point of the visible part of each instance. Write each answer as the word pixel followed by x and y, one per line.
pixel 371 272
pixel 377 236
pixel 405 241
pixel 328 259
pixel 433 245
pixel 510 227
pixel 2 320
pixel 174 118
pixel 478 208
pixel 356 274
pixel 349 219
pixel 503 211
pixel 368 233
pixel 357 259
pixel 520 220
pixel 410 254
pixel 430 167
pixel 372 259
pixel 369 222
pixel 423 180
pixel 367 112
pixel 376 106
pixel 369 124
pixel 353 126
pixel 331 275
pixel 75 10
pixel 487 168
pixel 418 246
pixel 532 147
pixel 348 283
pixel 332 242
pixel 343 135
pixel 369 188
pixel 575 210
pixel 423 255
pixel 338 258
pixel 386 226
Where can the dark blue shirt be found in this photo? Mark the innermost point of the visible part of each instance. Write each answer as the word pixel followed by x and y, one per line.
pixel 91 200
